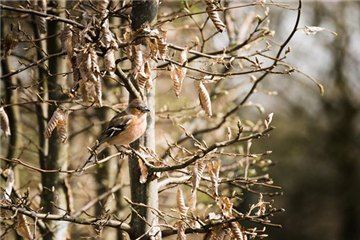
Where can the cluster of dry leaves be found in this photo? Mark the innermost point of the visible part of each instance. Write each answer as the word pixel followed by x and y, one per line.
pixel 82 52
pixel 22 226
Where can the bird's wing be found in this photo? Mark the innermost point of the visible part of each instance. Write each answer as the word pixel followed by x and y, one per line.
pixel 117 125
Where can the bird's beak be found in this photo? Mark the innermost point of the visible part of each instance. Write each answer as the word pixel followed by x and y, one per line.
pixel 145 109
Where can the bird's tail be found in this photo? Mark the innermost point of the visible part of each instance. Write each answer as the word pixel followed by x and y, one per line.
pixel 93 152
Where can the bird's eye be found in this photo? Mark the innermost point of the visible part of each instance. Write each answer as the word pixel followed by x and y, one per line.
pixel 138 108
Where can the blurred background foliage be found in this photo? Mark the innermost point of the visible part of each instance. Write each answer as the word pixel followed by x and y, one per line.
pixel 316 145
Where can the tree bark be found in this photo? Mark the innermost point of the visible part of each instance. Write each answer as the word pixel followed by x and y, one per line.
pixel 146 193
pixel 54 199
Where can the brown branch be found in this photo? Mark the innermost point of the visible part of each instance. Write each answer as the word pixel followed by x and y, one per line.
pixel 33 64
pixel 18 161
pixel 206 151
pixel 128 84
pixel 84 221
pixel 48 17
pixel 97 199
pixel 234 110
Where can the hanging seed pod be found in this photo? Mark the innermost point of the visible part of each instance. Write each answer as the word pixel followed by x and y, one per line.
pixel 214 16
pixel 205 100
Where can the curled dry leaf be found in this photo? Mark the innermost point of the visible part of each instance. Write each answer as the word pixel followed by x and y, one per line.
pixel 102 5
pixel 177 75
pixel 97 94
pixel 10 42
pixel 23 227
pixel 108 38
pixel 76 75
pixel 183 55
pixel 41 21
pixel 137 61
pixel 219 233
pixel 214 16
pixel 226 207
pixel 143 78
pixel 214 169
pixel 5 198
pixel 198 170
pixel 5 125
pixel 236 230
pixel 143 171
pixel 180 202
pixel 66 37
pixel 181 227
pixel 9 185
pixel 109 60
pixel 83 91
pixel 162 47
pixel 59 121
pixel 204 98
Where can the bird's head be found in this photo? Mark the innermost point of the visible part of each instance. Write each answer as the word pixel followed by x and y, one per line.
pixel 137 107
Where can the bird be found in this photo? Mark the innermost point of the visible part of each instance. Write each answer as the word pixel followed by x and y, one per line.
pixel 123 129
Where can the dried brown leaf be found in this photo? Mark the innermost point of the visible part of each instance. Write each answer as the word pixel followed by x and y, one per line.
pixel 177 76
pixel 183 55
pixel 23 227
pixel 94 61
pixel 9 185
pixel 108 37
pixel 109 60
pixel 59 121
pixel 205 100
pixel 41 21
pixel 76 74
pixel 97 94
pixel 137 61
pixel 10 42
pixel 236 230
pixel 214 16
pixel 180 202
pixel 144 172
pixel 152 44
pixel 83 90
pixel 214 169
pixel 219 233
pixel 5 125
pixel 66 37
pixel 181 227
pixel 198 170
pixel 162 47
pixel 102 5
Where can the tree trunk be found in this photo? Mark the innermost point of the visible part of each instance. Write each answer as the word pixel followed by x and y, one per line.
pixel 146 193
pixel 54 197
